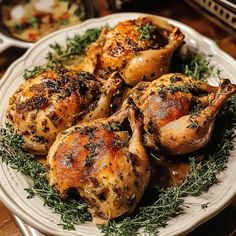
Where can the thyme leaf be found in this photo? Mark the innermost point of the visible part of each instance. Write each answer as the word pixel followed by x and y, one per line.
pixel 199 67
pixel 59 54
pixel 146 31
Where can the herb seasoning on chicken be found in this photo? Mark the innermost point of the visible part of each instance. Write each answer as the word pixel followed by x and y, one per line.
pixel 140 49
pixel 109 169
pixel 53 101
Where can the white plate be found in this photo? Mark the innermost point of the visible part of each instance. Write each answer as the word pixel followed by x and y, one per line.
pixel 33 212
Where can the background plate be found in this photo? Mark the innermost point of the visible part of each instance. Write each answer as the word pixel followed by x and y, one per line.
pixel 33 212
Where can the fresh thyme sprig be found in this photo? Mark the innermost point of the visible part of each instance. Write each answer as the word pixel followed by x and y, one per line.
pixel 199 67
pixel 166 202
pixel 74 46
pixel 146 31
pixel 72 212
pixel 170 202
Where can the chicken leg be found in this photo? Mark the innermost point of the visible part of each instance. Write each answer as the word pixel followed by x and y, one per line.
pixel 103 163
pixel 167 99
pixel 192 132
pixel 110 87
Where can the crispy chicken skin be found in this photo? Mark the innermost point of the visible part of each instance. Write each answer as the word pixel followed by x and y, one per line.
pixel 140 49
pixel 192 132
pixel 106 165
pixel 169 104
pixel 53 101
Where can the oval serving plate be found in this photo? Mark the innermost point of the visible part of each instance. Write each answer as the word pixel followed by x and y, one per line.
pixel 42 218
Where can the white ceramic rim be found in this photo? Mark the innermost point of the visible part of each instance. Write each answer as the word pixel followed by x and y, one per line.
pixel 223 201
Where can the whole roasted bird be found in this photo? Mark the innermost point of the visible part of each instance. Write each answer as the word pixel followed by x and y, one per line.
pixel 53 101
pixel 140 49
pixel 103 162
pixel 179 111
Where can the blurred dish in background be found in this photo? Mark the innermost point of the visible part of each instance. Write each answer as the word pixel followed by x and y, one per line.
pixel 24 22
pixel 33 19
pixel 221 12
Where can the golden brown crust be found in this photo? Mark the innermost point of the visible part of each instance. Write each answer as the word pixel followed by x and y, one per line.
pixel 48 104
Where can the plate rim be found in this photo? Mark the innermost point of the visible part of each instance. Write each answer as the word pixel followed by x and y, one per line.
pixel 209 214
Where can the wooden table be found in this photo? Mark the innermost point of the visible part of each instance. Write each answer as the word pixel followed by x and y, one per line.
pixel 223 224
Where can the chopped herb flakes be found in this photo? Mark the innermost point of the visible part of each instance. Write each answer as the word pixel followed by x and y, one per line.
pixel 146 31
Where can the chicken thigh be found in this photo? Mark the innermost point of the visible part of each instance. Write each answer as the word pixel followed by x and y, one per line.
pixel 192 132
pixel 53 101
pixel 140 49
pixel 166 101
pixel 103 162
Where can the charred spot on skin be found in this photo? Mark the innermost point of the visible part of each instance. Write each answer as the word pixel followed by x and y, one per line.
pixel 121 177
pixel 32 128
pixel 45 127
pixel 37 88
pixel 143 78
pixel 151 127
pixel 102 196
pixel 136 172
pixel 36 102
pixel 40 139
pixel 88 131
pixel 55 118
pixel 131 158
pixel 175 78
pixel 136 184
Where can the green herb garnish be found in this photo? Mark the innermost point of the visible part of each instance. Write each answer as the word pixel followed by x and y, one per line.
pixel 199 67
pixel 72 211
pixel 146 31
pixel 59 54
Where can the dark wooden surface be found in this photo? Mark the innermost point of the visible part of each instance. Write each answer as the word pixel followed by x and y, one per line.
pixel 224 224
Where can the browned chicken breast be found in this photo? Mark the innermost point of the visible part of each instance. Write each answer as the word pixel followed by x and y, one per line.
pixel 53 101
pixel 141 49
pixel 179 111
pixel 103 162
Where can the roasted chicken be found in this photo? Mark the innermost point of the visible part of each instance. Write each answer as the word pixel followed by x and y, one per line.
pixel 179 112
pixel 106 164
pixel 53 101
pixel 140 49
